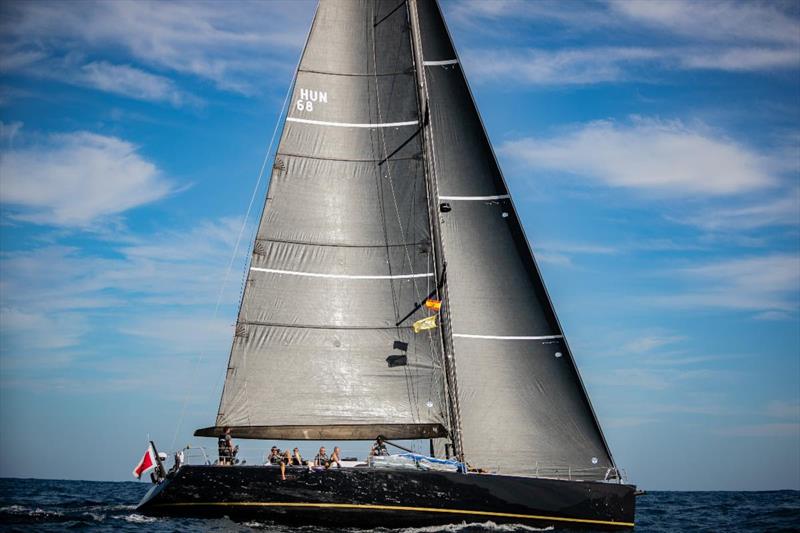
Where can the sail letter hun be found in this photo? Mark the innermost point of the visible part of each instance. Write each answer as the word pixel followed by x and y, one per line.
pixel 343 250
pixel 523 407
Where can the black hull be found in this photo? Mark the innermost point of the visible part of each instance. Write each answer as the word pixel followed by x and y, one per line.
pixel 369 497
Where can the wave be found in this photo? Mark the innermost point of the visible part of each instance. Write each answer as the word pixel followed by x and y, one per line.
pixel 464 527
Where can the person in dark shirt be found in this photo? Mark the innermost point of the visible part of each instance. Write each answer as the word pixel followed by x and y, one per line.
pixel 297 459
pixel 379 448
pixel 322 458
pixel 226 448
pixel 274 457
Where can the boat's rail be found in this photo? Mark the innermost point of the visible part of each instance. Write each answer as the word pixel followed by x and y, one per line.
pixel 577 473
pixel 200 455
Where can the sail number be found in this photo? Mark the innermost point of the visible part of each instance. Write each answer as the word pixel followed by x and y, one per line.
pixel 309 98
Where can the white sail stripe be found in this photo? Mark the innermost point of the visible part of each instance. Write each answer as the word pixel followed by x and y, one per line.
pixel 509 337
pixel 439 63
pixel 475 198
pixel 339 276
pixel 352 125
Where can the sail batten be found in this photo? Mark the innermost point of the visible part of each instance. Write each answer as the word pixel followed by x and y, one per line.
pixel 341 276
pixel 353 125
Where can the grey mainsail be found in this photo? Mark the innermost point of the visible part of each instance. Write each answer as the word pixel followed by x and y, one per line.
pixel 382 130
pixel 343 251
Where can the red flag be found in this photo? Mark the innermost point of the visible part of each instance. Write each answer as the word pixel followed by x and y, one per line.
pixel 148 462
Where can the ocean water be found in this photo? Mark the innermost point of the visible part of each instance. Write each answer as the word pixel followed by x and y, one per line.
pixel 47 505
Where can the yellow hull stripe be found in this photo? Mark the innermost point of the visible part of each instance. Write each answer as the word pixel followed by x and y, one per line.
pixel 394 508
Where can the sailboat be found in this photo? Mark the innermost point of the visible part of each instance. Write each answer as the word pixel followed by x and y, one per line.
pixel 385 194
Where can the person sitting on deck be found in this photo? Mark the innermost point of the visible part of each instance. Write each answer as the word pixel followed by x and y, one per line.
pixel 322 458
pixel 335 458
pixel 285 459
pixel 227 451
pixel 274 456
pixel 297 459
pixel 379 448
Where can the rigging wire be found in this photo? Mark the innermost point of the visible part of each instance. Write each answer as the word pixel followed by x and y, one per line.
pixel 257 186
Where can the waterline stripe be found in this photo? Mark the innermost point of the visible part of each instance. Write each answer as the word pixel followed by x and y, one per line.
pixel 475 198
pixel 509 337
pixel 339 276
pixel 394 508
pixel 351 125
pixel 439 63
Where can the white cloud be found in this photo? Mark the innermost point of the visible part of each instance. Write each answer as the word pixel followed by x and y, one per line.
pixel 77 178
pixel 780 211
pixel 232 44
pixel 710 35
pixel 591 65
pixel 762 430
pixel 40 331
pixel 475 13
pixel 742 59
pixel 627 421
pixel 714 19
pixel 556 67
pixel 9 130
pixel 657 379
pixel 649 343
pixel 170 268
pixel 782 409
pixel 560 253
pixel 157 290
pixel 132 82
pixel 578 248
pixel 668 158
pixel 763 284
pixel 553 258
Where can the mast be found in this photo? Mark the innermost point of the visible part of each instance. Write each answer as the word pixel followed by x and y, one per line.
pixel 440 264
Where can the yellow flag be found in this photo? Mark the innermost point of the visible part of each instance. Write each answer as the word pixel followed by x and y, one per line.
pixel 425 323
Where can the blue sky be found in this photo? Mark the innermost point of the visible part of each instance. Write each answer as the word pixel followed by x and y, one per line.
pixel 653 150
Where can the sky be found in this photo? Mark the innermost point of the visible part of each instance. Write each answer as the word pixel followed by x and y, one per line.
pixel 652 149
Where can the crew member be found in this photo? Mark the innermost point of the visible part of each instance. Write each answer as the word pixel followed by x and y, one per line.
pixel 274 457
pixel 379 448
pixel 335 458
pixel 285 460
pixel 297 459
pixel 322 458
pixel 227 451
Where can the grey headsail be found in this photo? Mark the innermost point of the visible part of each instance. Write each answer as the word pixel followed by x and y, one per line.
pixel 523 406
pixel 323 346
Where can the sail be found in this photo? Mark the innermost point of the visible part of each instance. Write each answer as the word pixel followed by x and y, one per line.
pixel 523 406
pixel 342 258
